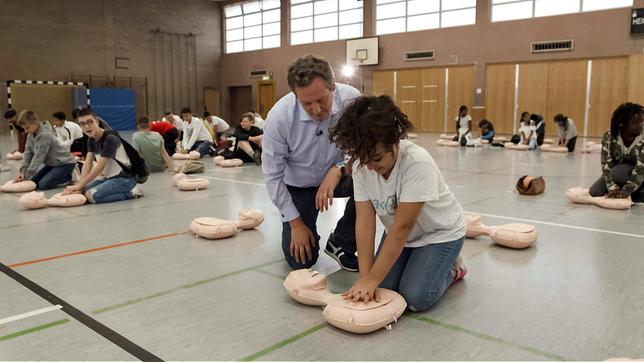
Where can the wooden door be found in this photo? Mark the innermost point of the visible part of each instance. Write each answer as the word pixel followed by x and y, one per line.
pixel 636 79
pixel 211 101
pixel 499 96
pixel 608 89
pixel 432 108
pixel 533 91
pixel 460 92
pixel 383 83
pixel 407 94
pixel 265 97
pixel 566 93
pixel 241 101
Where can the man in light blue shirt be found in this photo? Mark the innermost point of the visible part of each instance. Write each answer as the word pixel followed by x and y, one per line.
pixel 303 170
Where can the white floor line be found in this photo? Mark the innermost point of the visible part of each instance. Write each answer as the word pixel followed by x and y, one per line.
pixel 234 181
pixel 489 215
pixel 30 314
pixel 560 225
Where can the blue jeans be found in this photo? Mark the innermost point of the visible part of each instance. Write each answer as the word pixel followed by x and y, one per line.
pixel 51 176
pixel 422 275
pixel 110 190
pixel 203 147
pixel 345 229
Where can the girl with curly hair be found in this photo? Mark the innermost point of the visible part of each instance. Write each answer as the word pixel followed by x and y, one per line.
pixel 400 183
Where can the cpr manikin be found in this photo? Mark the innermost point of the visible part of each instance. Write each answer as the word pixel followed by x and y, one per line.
pixel 37 200
pixel 592 147
pixel 185 183
pixel 221 161
pixel 310 287
pixel 515 236
pixel 580 195
pixel 22 186
pixel 14 156
pixel 447 143
pixel 214 228
pixel 552 148
pixel 192 155
pixel 512 146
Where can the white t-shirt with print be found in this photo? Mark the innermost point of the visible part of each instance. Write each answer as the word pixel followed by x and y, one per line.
pixel 414 178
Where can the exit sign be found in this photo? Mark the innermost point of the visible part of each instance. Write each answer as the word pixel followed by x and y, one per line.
pixel 637 21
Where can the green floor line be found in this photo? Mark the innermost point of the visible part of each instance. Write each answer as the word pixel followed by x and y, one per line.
pixel 139 300
pixel 33 329
pixel 283 343
pixel 548 355
pixel 274 275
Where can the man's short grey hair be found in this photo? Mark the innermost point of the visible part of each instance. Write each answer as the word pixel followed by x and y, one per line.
pixel 304 70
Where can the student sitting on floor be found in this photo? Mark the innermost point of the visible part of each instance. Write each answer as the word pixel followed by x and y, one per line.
pixel 150 146
pixel 216 124
pixel 567 132
pixel 196 136
pixel 46 161
pixel 175 120
pixel 101 123
pixel 463 126
pixel 487 130
pixel 69 133
pixel 399 182
pixel 258 121
pixel 169 133
pixel 107 180
pixel 248 140
pixel 11 116
pixel 622 156
pixel 529 135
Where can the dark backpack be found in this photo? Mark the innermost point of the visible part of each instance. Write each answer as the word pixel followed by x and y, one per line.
pixel 138 168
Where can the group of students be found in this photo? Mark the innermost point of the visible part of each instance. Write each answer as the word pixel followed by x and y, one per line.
pixel 531 130
pixel 326 140
pixel 208 135
pixel 54 151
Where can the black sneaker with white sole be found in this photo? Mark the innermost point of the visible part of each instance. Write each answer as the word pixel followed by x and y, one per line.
pixel 346 260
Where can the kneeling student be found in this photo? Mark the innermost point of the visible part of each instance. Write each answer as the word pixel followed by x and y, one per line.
pixel 46 161
pixel 107 180
pixel 399 182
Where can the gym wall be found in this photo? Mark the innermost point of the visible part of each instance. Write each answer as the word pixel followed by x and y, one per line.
pixel 600 34
pixel 51 40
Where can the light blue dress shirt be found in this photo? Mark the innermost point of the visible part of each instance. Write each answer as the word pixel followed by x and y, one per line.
pixel 296 150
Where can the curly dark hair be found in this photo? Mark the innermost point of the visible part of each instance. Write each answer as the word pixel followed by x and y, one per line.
pixel 368 121
pixel 622 115
pixel 485 122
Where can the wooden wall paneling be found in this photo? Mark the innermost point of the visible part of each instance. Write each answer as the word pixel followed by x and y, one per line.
pixel 636 79
pixel 608 89
pixel 460 91
pixel 432 109
pixel 566 92
pixel 533 90
pixel 499 96
pixel 408 84
pixel 383 83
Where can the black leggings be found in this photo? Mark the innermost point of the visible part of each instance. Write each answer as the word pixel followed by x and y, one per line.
pixel 571 144
pixel 620 175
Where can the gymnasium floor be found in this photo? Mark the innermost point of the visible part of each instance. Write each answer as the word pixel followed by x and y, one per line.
pixel 577 294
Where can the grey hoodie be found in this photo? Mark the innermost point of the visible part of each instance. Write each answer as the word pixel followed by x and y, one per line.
pixel 44 148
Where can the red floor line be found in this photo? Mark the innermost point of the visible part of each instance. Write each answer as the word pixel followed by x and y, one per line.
pixel 87 251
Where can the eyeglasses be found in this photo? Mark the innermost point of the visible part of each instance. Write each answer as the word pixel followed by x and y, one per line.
pixel 85 124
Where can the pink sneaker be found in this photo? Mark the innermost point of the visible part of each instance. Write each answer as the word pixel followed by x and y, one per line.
pixel 459 270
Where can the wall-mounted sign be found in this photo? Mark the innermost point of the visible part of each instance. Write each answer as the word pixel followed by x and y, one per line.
pixel 637 21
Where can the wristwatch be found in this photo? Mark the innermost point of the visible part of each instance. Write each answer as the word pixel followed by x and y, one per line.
pixel 342 166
